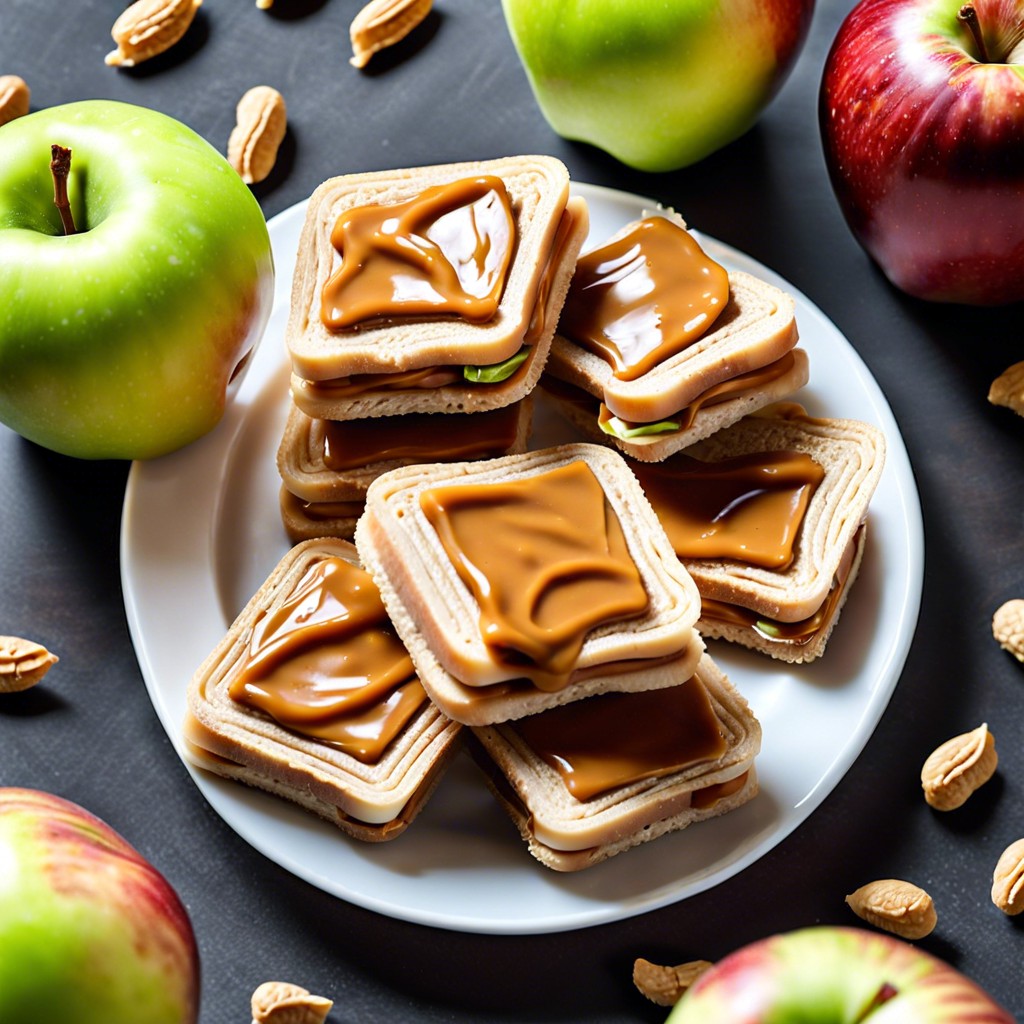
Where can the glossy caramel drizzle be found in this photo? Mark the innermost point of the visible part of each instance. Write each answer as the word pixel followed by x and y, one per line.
pixel 643 297
pixel 615 739
pixel 328 664
pixel 425 437
pixel 547 561
pixel 445 251
pixel 747 509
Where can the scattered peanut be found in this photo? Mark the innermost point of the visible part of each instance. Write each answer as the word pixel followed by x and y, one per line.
pixel 1008 879
pixel 383 23
pixel 1008 389
pixel 666 985
pixel 262 120
pixel 22 663
pixel 148 28
pixel 264 5
pixel 895 906
pixel 280 1002
pixel 1008 627
pixel 14 98
pixel 958 767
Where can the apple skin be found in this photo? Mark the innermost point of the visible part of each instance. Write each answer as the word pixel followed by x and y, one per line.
pixel 832 975
pixel 120 341
pixel 657 85
pixel 90 931
pixel 924 144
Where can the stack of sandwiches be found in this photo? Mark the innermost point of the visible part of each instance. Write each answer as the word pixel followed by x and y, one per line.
pixel 545 609
pixel 423 306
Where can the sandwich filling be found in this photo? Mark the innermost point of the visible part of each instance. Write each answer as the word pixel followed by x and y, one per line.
pixel 546 560
pixel 642 297
pixel 328 665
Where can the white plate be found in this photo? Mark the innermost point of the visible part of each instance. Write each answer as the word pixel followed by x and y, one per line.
pixel 201 531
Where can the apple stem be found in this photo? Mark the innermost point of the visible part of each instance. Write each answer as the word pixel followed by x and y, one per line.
pixel 969 16
pixel 60 168
pixel 882 996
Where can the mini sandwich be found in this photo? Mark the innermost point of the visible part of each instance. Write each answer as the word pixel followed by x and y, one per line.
pixel 327 465
pixel 659 346
pixel 586 781
pixel 522 583
pixel 435 289
pixel 769 517
pixel 312 697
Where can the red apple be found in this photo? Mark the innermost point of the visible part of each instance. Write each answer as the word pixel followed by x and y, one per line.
pixel 922 121
pixel 833 975
pixel 90 932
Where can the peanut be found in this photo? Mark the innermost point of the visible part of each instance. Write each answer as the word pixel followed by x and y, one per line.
pixel 262 120
pixel 958 767
pixel 895 906
pixel 148 28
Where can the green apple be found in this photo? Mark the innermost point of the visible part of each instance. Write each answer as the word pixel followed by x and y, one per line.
pixel 658 85
pixel 121 339
pixel 834 975
pixel 90 931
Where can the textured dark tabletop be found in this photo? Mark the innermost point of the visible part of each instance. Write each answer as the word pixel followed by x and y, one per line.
pixel 456 91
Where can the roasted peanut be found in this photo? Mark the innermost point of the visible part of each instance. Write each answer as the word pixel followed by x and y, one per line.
pixel 958 767
pixel 895 906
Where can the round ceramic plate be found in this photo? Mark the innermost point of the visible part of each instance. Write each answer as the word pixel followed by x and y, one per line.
pixel 201 531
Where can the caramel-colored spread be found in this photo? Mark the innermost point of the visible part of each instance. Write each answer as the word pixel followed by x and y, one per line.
pixel 708 796
pixel 424 437
pixel 748 508
pixel 615 739
pixel 321 510
pixel 445 251
pixel 547 561
pixel 327 664
pixel 643 297
pixel 796 634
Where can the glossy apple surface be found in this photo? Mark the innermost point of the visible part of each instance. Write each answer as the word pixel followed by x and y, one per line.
pixel 831 975
pixel 119 341
pixel 923 134
pixel 90 932
pixel 657 85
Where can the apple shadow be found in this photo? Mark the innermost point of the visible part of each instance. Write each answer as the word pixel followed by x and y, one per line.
pixel 194 39
pixel 405 49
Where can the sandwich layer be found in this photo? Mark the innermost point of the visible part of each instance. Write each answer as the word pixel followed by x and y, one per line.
pixel 448 624
pixel 586 781
pixel 442 362
pixel 311 696
pixel 715 482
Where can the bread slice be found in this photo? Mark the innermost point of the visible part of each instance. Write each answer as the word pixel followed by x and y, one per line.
pixel 716 408
pixel 438 615
pixel 372 800
pixel 308 520
pixel 567 832
pixel 768 602
pixel 754 330
pixel 339 374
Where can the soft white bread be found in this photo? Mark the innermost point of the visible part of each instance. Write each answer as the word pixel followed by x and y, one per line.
pixel 567 834
pixel 582 410
pixel 374 801
pixel 550 230
pixel 830 541
pixel 438 617
pixel 757 327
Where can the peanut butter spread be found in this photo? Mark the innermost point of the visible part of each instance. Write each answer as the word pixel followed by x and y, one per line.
pixel 643 297
pixel 747 509
pixel 327 664
pixel 425 437
pixel 546 559
pixel 445 251
pixel 615 739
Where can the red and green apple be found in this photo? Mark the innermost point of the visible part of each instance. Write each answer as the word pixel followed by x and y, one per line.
pixel 922 121
pixel 834 975
pixel 657 85
pixel 90 931
pixel 121 331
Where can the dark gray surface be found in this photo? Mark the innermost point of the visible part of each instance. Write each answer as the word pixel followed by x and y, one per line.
pixel 456 91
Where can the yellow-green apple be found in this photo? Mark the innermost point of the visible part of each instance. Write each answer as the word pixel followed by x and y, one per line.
pixel 658 85
pixel 922 121
pixel 834 975
pixel 90 931
pixel 120 340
